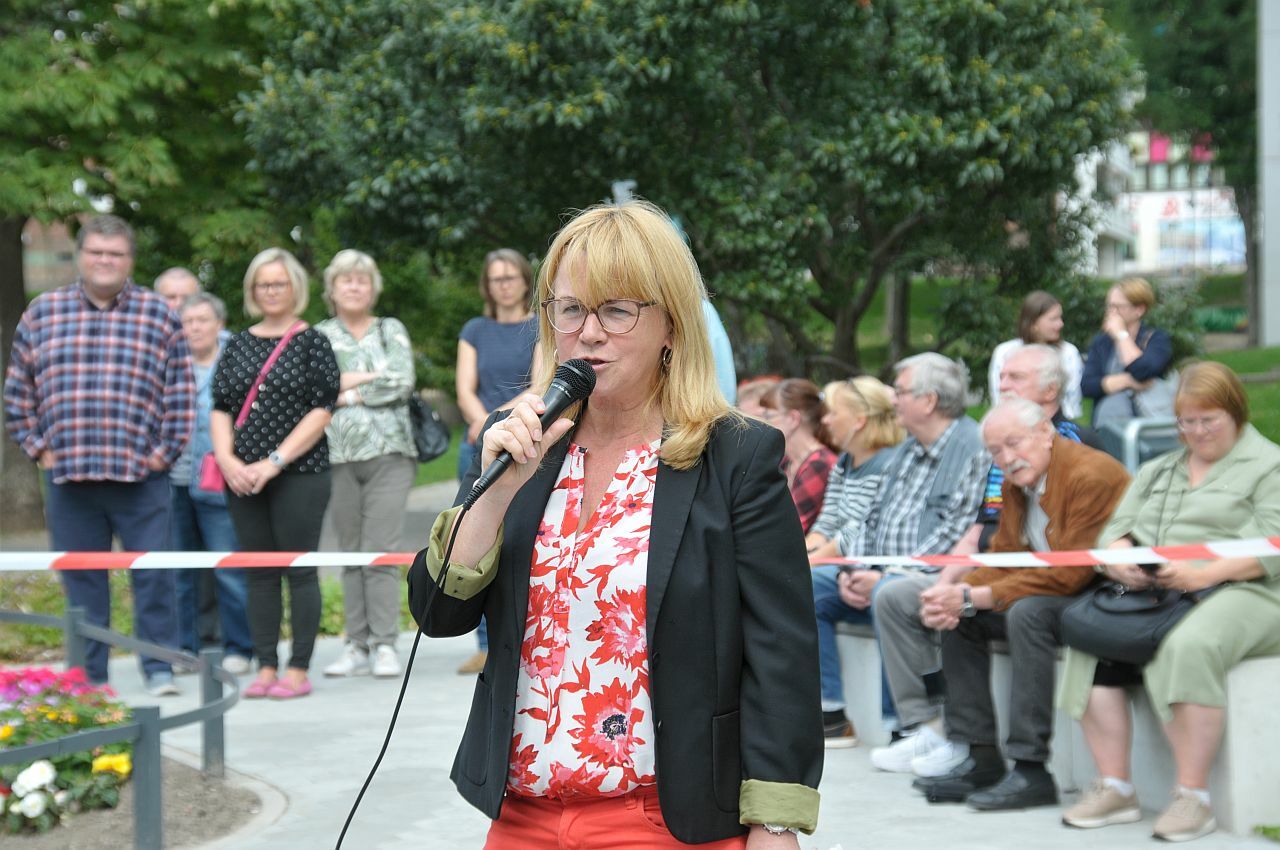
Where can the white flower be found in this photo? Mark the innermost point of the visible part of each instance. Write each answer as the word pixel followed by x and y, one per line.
pixel 33 805
pixel 39 775
pixel 60 798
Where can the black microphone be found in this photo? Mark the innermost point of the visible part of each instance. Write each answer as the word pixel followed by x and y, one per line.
pixel 574 380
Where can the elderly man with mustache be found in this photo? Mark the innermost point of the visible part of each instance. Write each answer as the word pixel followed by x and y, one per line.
pixel 1058 494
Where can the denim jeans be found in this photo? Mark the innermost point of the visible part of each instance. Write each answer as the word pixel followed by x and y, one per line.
pixel 831 609
pixel 83 516
pixel 206 527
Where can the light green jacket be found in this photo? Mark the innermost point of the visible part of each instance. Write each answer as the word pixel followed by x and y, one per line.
pixel 1238 499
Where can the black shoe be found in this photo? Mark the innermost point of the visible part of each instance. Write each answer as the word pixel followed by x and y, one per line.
pixel 972 774
pixel 1019 789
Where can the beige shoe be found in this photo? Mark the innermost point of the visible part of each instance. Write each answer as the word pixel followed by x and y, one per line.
pixel 1185 819
pixel 1102 805
pixel 474 664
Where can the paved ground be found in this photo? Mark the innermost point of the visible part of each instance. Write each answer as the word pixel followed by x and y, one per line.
pixel 308 759
pixel 317 752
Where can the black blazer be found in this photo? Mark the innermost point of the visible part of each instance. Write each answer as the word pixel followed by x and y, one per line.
pixel 732 635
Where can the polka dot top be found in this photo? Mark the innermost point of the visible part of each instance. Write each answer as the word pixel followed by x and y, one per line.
pixel 303 378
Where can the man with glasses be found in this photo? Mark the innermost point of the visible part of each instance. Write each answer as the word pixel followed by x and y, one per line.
pixel 926 500
pixel 99 392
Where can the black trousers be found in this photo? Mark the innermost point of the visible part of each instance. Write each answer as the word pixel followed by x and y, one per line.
pixel 285 517
pixel 1032 628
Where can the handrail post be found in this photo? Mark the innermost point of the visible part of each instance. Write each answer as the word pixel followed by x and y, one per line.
pixel 148 825
pixel 73 641
pixel 213 745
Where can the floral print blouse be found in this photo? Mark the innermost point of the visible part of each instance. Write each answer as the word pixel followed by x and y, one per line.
pixel 584 719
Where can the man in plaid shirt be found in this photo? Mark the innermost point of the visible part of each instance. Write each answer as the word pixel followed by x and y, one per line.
pixel 99 392
pixel 926 500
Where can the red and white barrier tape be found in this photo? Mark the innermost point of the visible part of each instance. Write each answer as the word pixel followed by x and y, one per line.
pixel 1256 547
pixel 35 561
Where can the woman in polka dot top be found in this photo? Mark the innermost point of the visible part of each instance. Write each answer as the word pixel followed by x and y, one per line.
pixel 276 464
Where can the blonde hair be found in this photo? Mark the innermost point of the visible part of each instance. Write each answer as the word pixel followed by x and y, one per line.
pixel 632 250
pixel 1138 292
pixel 297 280
pixel 872 399
pixel 353 262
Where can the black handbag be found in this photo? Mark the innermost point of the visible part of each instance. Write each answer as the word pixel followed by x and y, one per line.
pixel 430 435
pixel 1118 624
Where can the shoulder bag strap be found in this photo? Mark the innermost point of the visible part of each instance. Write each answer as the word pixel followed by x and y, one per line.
pixel 262 373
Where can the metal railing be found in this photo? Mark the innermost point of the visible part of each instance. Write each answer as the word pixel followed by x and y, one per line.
pixel 144 731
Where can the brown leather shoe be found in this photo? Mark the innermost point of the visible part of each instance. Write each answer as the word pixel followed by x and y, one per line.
pixel 474 664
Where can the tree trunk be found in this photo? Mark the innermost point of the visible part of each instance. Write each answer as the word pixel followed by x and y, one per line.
pixel 897 316
pixel 19 478
pixel 1245 207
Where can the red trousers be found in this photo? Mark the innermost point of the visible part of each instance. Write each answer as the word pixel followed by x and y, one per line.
pixel 630 822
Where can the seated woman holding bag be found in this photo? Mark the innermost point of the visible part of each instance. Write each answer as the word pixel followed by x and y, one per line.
pixel 1224 485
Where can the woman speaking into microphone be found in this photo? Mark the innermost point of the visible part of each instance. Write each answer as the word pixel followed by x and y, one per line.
pixel 652 679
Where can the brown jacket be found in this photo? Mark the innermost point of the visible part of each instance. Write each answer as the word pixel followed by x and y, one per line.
pixel 1082 488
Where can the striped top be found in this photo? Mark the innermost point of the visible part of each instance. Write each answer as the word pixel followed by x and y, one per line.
pixel 104 389
pixel 850 492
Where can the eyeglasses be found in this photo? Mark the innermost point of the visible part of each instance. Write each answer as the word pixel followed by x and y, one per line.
pixel 1207 424
pixel 271 286
pixel 617 316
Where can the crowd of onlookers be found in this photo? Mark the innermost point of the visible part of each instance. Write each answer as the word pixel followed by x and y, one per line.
pixel 153 424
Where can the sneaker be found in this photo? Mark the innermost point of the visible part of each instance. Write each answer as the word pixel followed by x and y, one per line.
pixel 941 760
pixel 354 661
pixel 1186 818
pixel 162 685
pixel 236 665
pixel 385 663
pixel 1102 805
pixel 839 734
pixel 185 668
pixel 474 664
pixel 897 757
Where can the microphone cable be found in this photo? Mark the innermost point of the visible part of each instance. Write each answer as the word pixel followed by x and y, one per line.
pixel 434 591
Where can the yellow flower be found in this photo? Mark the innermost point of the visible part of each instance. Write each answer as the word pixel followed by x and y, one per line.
pixel 6 732
pixel 120 764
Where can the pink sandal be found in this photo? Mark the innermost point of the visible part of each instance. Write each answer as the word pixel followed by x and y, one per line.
pixel 282 690
pixel 258 689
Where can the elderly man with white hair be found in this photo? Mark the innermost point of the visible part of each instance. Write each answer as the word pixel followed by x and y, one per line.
pixel 1058 494
pixel 927 498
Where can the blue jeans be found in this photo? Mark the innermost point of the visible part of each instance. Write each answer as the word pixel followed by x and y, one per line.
pixel 466 456
pixel 206 527
pixel 82 517
pixel 831 609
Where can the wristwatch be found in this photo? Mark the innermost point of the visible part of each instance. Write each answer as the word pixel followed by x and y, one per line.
pixel 966 608
pixel 1122 335
pixel 277 460
pixel 775 829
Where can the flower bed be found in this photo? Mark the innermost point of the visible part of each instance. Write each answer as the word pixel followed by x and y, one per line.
pixel 37 705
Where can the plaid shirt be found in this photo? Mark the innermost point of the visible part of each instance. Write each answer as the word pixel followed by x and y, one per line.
pixel 810 484
pixel 893 525
pixel 104 389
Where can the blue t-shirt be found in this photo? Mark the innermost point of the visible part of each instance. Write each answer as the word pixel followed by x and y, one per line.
pixel 504 353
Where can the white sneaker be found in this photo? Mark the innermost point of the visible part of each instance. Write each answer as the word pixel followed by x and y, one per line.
pixel 385 663
pixel 236 665
pixel 353 662
pixel 941 760
pixel 897 757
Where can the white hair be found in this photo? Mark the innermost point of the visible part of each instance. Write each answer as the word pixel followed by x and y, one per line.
pixel 1028 413
pixel 946 378
pixel 1049 371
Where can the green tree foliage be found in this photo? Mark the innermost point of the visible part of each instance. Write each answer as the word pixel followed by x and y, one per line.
pixel 131 101
pixel 1201 82
pixel 806 146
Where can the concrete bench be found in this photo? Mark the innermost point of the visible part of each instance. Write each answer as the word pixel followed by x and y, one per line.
pixel 1246 777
